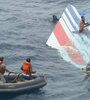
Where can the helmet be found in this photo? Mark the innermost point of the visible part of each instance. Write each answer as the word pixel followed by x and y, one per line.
pixel 1 58
pixel 28 59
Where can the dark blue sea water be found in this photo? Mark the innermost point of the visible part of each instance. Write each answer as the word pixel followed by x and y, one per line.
pixel 25 26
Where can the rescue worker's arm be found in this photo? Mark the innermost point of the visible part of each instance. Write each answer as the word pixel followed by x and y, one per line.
pixel 32 70
pixel 3 66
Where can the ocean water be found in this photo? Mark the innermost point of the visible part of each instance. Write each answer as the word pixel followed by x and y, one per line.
pixel 25 26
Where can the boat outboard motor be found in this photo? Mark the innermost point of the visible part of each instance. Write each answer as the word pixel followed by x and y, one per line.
pixel 88 67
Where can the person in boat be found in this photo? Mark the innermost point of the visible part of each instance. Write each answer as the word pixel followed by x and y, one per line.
pixel 55 19
pixel 2 69
pixel 82 24
pixel 27 69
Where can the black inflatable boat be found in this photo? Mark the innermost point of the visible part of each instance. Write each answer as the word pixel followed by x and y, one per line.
pixel 14 83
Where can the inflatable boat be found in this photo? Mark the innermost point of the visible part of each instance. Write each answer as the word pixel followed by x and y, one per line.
pixel 14 83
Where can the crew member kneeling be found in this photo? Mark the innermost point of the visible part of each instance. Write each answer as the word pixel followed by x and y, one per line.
pixel 27 69
pixel 2 69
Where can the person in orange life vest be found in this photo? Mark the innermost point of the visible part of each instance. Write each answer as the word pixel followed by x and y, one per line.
pixel 2 69
pixel 27 69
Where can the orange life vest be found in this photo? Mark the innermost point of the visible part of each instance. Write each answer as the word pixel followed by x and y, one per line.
pixel 2 70
pixel 26 68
